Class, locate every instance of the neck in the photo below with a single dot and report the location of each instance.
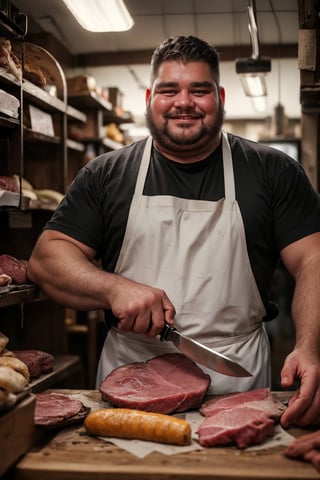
(187, 154)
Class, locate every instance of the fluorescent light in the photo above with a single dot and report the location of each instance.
(101, 15)
(259, 104)
(254, 84)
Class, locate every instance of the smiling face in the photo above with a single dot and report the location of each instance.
(185, 108)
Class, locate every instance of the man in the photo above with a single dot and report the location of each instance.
(189, 225)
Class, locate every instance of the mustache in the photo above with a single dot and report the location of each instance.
(186, 111)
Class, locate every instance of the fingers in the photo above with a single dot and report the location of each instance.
(304, 444)
(164, 313)
(303, 410)
(304, 406)
(306, 447)
(142, 309)
(314, 457)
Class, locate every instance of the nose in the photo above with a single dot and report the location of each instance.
(184, 99)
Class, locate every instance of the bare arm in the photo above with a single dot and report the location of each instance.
(65, 271)
(302, 259)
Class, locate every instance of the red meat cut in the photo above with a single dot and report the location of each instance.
(16, 269)
(261, 399)
(52, 408)
(168, 383)
(9, 183)
(37, 361)
(239, 418)
(241, 425)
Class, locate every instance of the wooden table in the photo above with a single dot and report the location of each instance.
(72, 455)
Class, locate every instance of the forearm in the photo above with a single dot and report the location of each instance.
(303, 363)
(306, 308)
(67, 276)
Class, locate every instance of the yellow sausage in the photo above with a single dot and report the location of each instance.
(129, 423)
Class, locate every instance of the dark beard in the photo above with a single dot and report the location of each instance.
(163, 137)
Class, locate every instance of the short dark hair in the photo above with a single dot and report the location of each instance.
(185, 49)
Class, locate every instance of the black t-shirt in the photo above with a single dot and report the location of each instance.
(277, 202)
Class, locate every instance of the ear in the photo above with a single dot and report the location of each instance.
(222, 94)
(148, 93)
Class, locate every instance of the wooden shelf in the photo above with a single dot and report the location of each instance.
(88, 100)
(112, 117)
(111, 144)
(41, 98)
(74, 145)
(21, 294)
(31, 136)
(65, 366)
(76, 115)
(9, 122)
(9, 78)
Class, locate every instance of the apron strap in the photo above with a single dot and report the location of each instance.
(229, 188)
(143, 170)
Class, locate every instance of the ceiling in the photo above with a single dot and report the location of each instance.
(220, 22)
(122, 59)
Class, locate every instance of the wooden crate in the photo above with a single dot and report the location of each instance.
(16, 432)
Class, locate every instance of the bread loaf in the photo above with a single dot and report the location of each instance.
(12, 381)
(7, 399)
(16, 364)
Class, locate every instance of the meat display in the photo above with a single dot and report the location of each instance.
(53, 408)
(14, 268)
(9, 183)
(239, 418)
(164, 384)
(37, 361)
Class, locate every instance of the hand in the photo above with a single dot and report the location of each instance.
(306, 447)
(304, 406)
(140, 308)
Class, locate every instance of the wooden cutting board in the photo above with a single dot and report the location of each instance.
(72, 455)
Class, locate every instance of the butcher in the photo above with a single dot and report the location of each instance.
(187, 227)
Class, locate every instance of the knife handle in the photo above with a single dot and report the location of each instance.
(166, 332)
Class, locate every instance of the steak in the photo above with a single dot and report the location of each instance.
(37, 361)
(9, 183)
(239, 418)
(241, 425)
(168, 383)
(260, 399)
(16, 269)
(53, 408)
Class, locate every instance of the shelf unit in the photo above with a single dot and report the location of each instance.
(47, 161)
(99, 113)
(27, 317)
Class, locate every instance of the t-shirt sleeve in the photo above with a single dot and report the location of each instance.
(296, 206)
(79, 214)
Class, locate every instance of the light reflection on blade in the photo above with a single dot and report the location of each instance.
(207, 357)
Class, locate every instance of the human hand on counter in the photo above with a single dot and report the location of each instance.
(140, 308)
(304, 406)
(306, 447)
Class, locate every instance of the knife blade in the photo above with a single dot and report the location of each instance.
(202, 354)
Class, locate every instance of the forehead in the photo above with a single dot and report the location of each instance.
(180, 72)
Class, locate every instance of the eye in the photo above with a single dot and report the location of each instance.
(168, 92)
(200, 92)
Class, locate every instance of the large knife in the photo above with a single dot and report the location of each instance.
(202, 354)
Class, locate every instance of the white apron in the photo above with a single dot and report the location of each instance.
(196, 251)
